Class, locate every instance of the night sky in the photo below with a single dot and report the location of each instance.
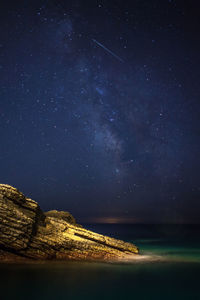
(100, 106)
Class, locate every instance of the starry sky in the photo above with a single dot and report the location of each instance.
(100, 105)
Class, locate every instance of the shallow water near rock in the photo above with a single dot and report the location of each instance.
(168, 268)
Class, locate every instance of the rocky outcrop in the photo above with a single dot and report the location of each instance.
(28, 233)
(63, 215)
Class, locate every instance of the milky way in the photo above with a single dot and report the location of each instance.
(82, 131)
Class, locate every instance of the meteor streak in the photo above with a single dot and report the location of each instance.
(106, 49)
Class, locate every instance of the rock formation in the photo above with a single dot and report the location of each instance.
(26, 233)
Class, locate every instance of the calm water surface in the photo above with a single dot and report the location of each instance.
(168, 268)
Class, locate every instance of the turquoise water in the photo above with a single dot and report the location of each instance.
(168, 268)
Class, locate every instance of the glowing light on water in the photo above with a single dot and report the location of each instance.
(142, 258)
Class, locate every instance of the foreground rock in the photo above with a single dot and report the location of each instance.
(28, 233)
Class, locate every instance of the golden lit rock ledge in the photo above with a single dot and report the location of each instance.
(26, 233)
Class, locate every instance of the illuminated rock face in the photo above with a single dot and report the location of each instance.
(28, 233)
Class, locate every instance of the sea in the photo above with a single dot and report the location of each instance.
(168, 268)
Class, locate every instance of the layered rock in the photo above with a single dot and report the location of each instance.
(28, 233)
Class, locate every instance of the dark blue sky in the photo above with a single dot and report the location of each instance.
(104, 136)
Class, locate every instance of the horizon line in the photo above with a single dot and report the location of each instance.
(129, 223)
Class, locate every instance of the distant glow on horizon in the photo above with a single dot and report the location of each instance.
(113, 220)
